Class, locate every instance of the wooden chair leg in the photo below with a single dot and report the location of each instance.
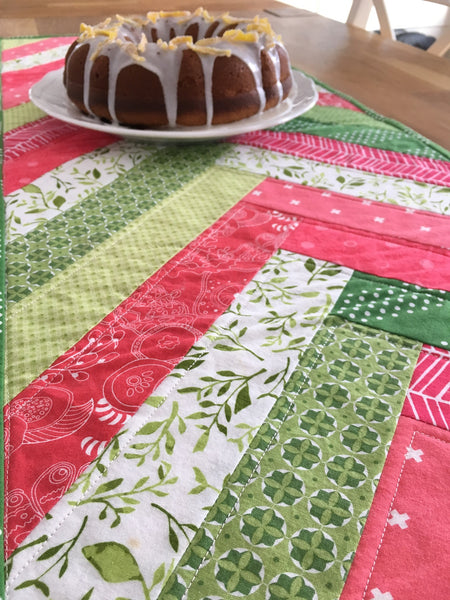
(386, 29)
(359, 13)
(441, 45)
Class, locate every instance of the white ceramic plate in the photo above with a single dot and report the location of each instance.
(50, 96)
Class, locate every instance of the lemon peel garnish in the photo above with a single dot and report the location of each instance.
(163, 14)
(143, 43)
(175, 42)
(103, 29)
(201, 12)
(206, 46)
(237, 35)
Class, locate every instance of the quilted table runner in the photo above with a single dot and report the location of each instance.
(226, 364)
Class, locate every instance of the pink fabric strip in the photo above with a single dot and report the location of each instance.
(428, 396)
(33, 136)
(376, 238)
(430, 229)
(371, 254)
(59, 423)
(35, 47)
(402, 549)
(330, 99)
(37, 161)
(16, 84)
(345, 154)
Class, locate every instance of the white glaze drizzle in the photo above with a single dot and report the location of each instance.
(276, 63)
(164, 60)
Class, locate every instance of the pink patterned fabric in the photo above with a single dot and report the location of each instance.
(35, 47)
(16, 84)
(371, 254)
(372, 237)
(398, 555)
(342, 210)
(428, 397)
(59, 423)
(34, 136)
(346, 154)
(47, 148)
(330, 99)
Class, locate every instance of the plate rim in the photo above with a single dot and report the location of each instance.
(293, 106)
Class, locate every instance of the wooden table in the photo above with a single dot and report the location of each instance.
(392, 78)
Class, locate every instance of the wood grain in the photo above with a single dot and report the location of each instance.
(394, 79)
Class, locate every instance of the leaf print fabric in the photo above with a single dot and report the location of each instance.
(323, 454)
(216, 398)
(413, 194)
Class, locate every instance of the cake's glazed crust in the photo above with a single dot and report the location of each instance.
(171, 69)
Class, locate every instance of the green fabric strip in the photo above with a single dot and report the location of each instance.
(397, 307)
(415, 136)
(288, 521)
(35, 258)
(335, 115)
(57, 314)
(19, 41)
(375, 137)
(20, 115)
(357, 127)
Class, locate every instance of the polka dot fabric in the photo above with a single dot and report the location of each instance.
(397, 307)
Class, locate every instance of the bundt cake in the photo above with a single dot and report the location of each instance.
(177, 68)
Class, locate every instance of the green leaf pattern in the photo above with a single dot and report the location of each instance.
(68, 184)
(382, 188)
(33, 60)
(303, 490)
(215, 399)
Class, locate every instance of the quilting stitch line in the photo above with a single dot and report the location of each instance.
(108, 329)
(392, 502)
(269, 444)
(386, 522)
(127, 441)
(348, 325)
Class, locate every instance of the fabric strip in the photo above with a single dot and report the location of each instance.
(330, 99)
(298, 170)
(408, 521)
(397, 307)
(428, 397)
(20, 115)
(35, 47)
(37, 161)
(280, 524)
(90, 391)
(343, 210)
(34, 136)
(350, 155)
(369, 254)
(16, 84)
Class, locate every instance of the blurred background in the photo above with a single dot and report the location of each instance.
(429, 19)
(416, 22)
